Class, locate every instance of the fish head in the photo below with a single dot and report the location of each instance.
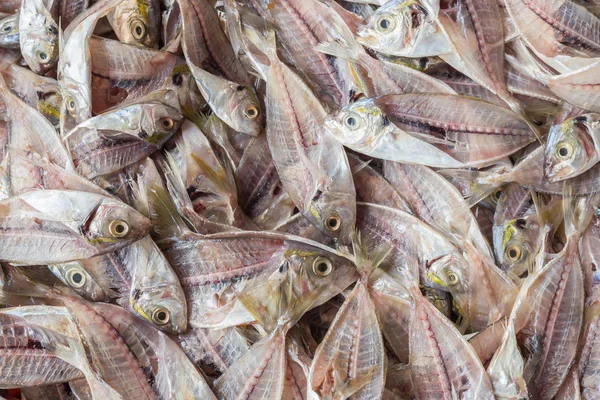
(40, 51)
(159, 122)
(398, 25)
(358, 124)
(49, 104)
(76, 99)
(334, 213)
(449, 273)
(9, 31)
(570, 148)
(316, 270)
(136, 22)
(77, 278)
(163, 306)
(112, 224)
(246, 114)
(515, 243)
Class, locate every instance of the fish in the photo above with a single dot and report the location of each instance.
(138, 277)
(136, 22)
(120, 137)
(80, 224)
(9, 32)
(403, 128)
(571, 147)
(74, 66)
(233, 101)
(38, 36)
(38, 91)
(324, 196)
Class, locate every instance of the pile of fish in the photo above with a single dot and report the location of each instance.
(299, 199)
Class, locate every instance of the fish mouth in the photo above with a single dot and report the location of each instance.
(367, 40)
(557, 173)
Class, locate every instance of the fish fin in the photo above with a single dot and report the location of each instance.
(367, 263)
(524, 62)
(340, 49)
(168, 223)
(262, 38)
(481, 183)
(76, 355)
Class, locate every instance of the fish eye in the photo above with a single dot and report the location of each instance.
(71, 105)
(351, 121)
(53, 29)
(385, 24)
(322, 266)
(118, 228)
(7, 28)
(497, 194)
(452, 278)
(167, 123)
(75, 278)
(42, 56)
(251, 112)
(161, 316)
(333, 222)
(513, 253)
(138, 29)
(564, 150)
(177, 79)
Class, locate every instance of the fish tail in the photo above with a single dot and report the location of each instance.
(74, 353)
(169, 224)
(578, 211)
(480, 183)
(367, 262)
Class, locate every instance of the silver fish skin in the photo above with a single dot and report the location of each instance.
(26, 361)
(137, 22)
(122, 72)
(123, 136)
(38, 91)
(232, 255)
(80, 224)
(30, 130)
(572, 147)
(260, 191)
(9, 32)
(300, 26)
(38, 36)
(312, 166)
(233, 101)
(74, 64)
(76, 277)
(172, 374)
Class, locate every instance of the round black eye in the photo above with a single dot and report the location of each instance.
(118, 228)
(43, 55)
(53, 30)
(7, 28)
(177, 79)
(239, 88)
(161, 316)
(167, 123)
(333, 222)
(351, 121)
(563, 152)
(497, 194)
(384, 23)
(513, 253)
(322, 266)
(77, 278)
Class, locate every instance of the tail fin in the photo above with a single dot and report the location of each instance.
(168, 223)
(480, 183)
(367, 263)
